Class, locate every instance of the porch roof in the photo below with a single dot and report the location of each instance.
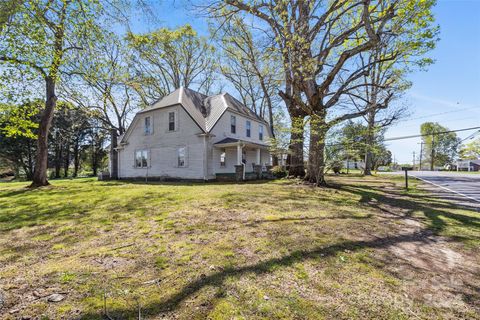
(232, 142)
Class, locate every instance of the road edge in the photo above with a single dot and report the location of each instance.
(442, 187)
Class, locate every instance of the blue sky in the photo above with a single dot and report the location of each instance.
(451, 86)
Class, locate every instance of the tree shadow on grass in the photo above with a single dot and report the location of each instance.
(217, 279)
(14, 193)
(307, 219)
(433, 209)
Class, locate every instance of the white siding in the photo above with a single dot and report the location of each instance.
(163, 146)
(222, 129)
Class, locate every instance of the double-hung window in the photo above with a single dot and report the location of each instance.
(141, 158)
(171, 121)
(249, 129)
(222, 158)
(182, 157)
(233, 124)
(148, 126)
(260, 132)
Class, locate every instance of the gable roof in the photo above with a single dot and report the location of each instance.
(204, 110)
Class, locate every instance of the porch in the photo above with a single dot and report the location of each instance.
(239, 160)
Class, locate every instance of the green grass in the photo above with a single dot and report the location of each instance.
(265, 250)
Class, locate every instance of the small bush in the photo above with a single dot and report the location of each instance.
(279, 172)
(336, 166)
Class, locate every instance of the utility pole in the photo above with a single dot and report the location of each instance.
(413, 160)
(432, 156)
(421, 153)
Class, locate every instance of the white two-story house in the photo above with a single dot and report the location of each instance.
(187, 135)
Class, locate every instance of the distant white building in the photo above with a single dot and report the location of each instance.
(468, 165)
(353, 164)
(188, 135)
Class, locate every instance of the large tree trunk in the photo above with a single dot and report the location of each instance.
(30, 164)
(76, 158)
(94, 155)
(113, 155)
(58, 159)
(40, 172)
(316, 156)
(370, 139)
(296, 167)
(66, 162)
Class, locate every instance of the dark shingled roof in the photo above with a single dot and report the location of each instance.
(204, 110)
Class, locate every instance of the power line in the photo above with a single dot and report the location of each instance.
(412, 136)
(429, 134)
(436, 114)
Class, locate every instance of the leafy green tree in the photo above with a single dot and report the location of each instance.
(18, 130)
(68, 133)
(7, 9)
(356, 143)
(70, 137)
(440, 146)
(40, 39)
(471, 150)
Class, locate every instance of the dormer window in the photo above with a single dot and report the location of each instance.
(233, 124)
(249, 129)
(148, 126)
(260, 132)
(171, 121)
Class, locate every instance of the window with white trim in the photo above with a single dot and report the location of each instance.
(182, 157)
(171, 121)
(222, 158)
(233, 124)
(141, 158)
(260, 132)
(249, 129)
(148, 126)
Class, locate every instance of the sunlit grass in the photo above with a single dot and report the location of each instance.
(256, 250)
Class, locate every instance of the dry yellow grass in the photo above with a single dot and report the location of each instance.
(362, 249)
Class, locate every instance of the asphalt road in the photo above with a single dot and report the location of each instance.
(464, 184)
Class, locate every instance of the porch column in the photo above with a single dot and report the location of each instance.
(239, 154)
(258, 160)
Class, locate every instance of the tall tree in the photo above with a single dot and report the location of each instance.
(440, 146)
(69, 129)
(168, 59)
(471, 150)
(102, 83)
(401, 52)
(355, 143)
(18, 129)
(250, 67)
(320, 42)
(48, 31)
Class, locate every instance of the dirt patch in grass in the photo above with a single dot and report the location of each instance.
(361, 249)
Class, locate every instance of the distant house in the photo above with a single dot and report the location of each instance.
(354, 164)
(188, 135)
(468, 165)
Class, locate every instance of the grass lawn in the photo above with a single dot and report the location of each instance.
(363, 249)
